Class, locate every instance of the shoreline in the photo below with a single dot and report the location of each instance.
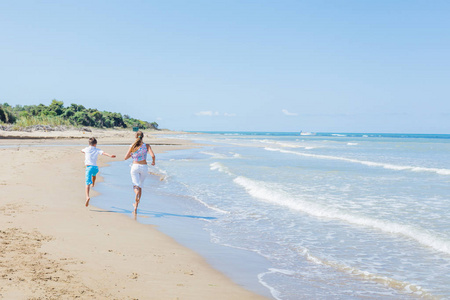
(181, 217)
(52, 246)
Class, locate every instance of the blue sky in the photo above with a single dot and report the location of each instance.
(334, 66)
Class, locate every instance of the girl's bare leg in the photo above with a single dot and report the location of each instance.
(93, 180)
(137, 191)
(87, 195)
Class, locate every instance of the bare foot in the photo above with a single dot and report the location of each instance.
(87, 201)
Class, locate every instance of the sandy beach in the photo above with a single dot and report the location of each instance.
(53, 247)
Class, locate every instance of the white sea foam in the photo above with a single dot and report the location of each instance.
(266, 192)
(265, 141)
(196, 198)
(274, 292)
(222, 156)
(389, 282)
(214, 155)
(210, 206)
(163, 176)
(283, 144)
(386, 281)
(368, 163)
(352, 144)
(220, 167)
(236, 155)
(289, 145)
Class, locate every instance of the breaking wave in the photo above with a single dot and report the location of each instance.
(263, 191)
(367, 163)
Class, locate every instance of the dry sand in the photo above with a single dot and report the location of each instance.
(52, 247)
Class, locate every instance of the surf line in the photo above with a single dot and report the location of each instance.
(352, 271)
(367, 163)
(260, 190)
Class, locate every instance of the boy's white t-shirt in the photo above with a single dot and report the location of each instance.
(91, 154)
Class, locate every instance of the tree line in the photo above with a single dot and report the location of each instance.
(74, 114)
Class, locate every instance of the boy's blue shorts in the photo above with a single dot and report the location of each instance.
(90, 171)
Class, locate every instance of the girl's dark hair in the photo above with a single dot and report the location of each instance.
(138, 142)
(92, 141)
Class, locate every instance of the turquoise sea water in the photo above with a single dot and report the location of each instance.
(325, 216)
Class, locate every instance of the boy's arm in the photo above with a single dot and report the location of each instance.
(110, 155)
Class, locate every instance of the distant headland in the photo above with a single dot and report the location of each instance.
(56, 115)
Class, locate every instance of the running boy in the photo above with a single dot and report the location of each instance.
(91, 154)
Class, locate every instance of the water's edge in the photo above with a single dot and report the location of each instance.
(241, 266)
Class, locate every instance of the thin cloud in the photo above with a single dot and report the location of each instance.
(210, 113)
(287, 113)
(207, 113)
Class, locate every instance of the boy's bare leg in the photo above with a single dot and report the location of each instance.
(93, 180)
(87, 195)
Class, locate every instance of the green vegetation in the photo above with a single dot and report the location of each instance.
(56, 114)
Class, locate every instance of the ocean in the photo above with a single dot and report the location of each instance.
(290, 216)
